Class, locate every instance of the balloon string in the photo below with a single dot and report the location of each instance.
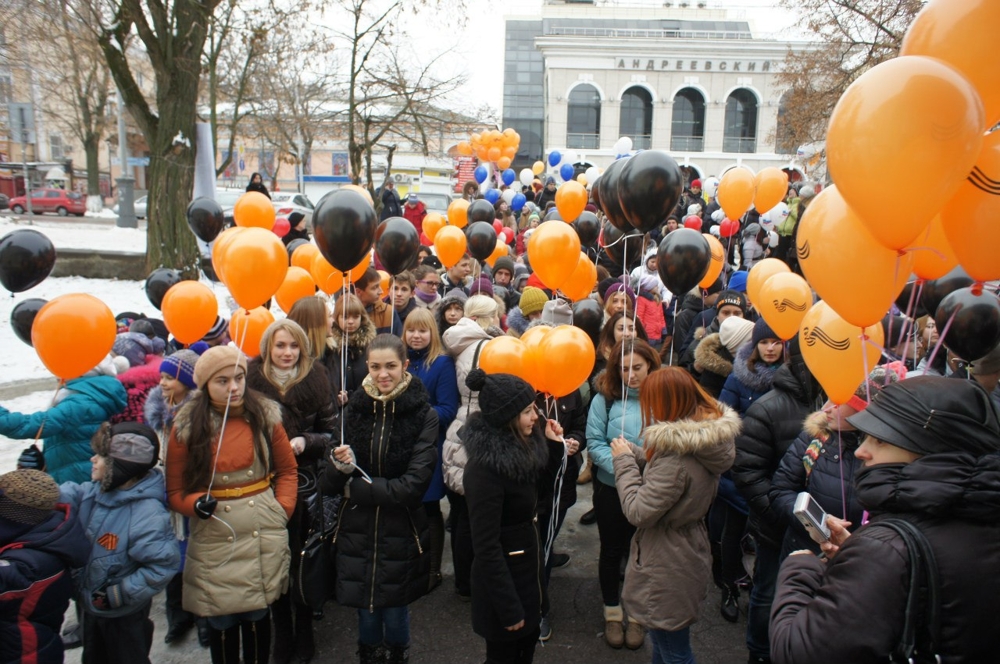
(392, 304)
(672, 336)
(941, 336)
(864, 360)
(52, 403)
(621, 366)
(936, 252)
(840, 463)
(225, 413)
(344, 337)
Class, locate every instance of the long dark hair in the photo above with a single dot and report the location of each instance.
(609, 383)
(606, 340)
(204, 430)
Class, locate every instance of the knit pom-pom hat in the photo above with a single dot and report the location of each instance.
(502, 397)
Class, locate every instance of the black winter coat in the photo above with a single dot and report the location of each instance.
(744, 386)
(501, 492)
(571, 413)
(691, 306)
(851, 609)
(382, 538)
(770, 425)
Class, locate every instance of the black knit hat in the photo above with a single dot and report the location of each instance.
(502, 397)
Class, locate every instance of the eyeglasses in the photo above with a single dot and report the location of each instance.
(430, 283)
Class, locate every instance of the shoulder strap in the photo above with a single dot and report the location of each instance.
(924, 588)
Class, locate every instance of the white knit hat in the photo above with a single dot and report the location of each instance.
(734, 332)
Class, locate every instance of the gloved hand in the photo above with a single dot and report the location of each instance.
(31, 458)
(205, 506)
(99, 598)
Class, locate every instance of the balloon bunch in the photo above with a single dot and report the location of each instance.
(553, 360)
(554, 253)
(493, 146)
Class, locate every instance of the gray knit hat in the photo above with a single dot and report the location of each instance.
(27, 496)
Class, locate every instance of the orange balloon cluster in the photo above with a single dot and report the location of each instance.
(554, 252)
(246, 329)
(760, 273)
(498, 147)
(329, 279)
(970, 218)
(582, 281)
(189, 310)
(571, 199)
(433, 222)
(74, 332)
(555, 361)
(298, 284)
(303, 256)
(252, 263)
(783, 301)
(837, 352)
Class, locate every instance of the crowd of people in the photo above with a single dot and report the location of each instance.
(334, 464)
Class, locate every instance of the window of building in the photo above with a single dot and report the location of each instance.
(687, 126)
(583, 119)
(740, 133)
(57, 150)
(637, 117)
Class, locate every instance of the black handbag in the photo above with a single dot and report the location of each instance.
(316, 576)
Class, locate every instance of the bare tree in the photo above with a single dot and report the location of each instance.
(852, 36)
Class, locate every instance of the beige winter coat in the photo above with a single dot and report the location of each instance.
(670, 561)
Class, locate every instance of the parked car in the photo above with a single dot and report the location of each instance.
(139, 205)
(51, 200)
(227, 199)
(435, 202)
(4, 201)
(287, 202)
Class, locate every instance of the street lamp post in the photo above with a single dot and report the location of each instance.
(126, 184)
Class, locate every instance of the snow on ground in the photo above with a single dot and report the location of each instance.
(83, 235)
(11, 449)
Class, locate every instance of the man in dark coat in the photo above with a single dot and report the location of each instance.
(391, 205)
(931, 459)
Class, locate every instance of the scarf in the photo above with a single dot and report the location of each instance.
(280, 377)
(371, 389)
(426, 298)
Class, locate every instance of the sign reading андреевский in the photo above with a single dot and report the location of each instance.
(679, 64)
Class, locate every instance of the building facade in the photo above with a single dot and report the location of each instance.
(691, 81)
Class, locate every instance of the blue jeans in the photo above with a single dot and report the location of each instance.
(390, 625)
(765, 578)
(672, 647)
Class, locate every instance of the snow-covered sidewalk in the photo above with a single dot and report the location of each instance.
(67, 234)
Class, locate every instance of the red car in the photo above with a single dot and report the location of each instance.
(51, 200)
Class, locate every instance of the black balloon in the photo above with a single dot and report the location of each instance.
(972, 322)
(588, 227)
(159, 282)
(649, 186)
(626, 253)
(683, 260)
(553, 214)
(344, 224)
(589, 317)
(293, 245)
(935, 291)
(23, 315)
(206, 218)
(903, 301)
(608, 195)
(397, 244)
(481, 210)
(595, 192)
(26, 258)
(482, 239)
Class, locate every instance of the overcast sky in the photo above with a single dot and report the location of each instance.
(479, 47)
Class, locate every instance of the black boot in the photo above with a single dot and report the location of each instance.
(398, 655)
(730, 607)
(305, 646)
(257, 641)
(435, 524)
(284, 636)
(224, 645)
(179, 621)
(371, 654)
(589, 517)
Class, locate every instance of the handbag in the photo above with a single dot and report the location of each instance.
(316, 577)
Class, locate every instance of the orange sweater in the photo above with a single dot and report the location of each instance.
(237, 453)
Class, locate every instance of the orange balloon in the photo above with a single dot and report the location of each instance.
(329, 279)
(771, 186)
(503, 355)
(510, 152)
(537, 168)
(847, 267)
(890, 132)
(568, 355)
(475, 139)
(72, 333)
(458, 213)
(303, 256)
(298, 284)
(499, 252)
(960, 34)
(718, 260)
(465, 149)
(760, 273)
(482, 152)
(246, 329)
(784, 300)
(554, 252)
(361, 190)
(493, 154)
(384, 281)
(255, 266)
(219, 248)
(571, 199)
(835, 352)
(532, 365)
(581, 283)
(450, 245)
(254, 210)
(189, 311)
(433, 222)
(735, 192)
(932, 255)
(503, 163)
(970, 218)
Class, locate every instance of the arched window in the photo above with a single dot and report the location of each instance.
(740, 134)
(784, 136)
(687, 126)
(583, 118)
(637, 117)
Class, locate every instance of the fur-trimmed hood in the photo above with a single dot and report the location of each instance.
(707, 440)
(517, 322)
(817, 426)
(182, 422)
(357, 340)
(758, 380)
(712, 356)
(501, 451)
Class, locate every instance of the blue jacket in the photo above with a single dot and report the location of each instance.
(36, 585)
(133, 552)
(604, 425)
(69, 425)
(744, 386)
(442, 386)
